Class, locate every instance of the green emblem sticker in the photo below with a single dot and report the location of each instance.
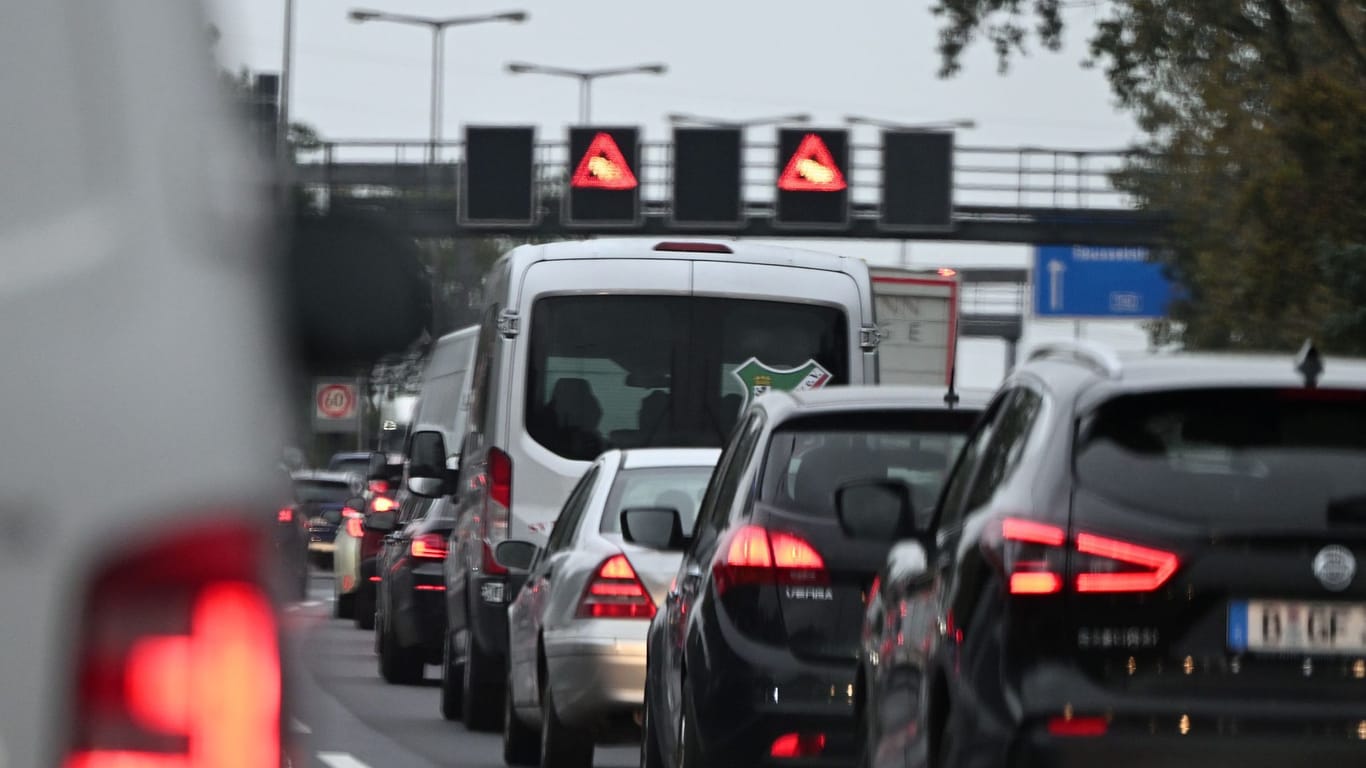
(758, 379)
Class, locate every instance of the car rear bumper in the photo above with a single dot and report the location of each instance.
(598, 670)
(1140, 748)
(419, 609)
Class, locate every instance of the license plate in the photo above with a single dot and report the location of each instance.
(1297, 627)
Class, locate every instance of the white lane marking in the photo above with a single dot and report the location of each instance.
(297, 726)
(340, 760)
(310, 603)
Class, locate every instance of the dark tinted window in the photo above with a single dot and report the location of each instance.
(1002, 455)
(717, 501)
(322, 492)
(633, 371)
(679, 488)
(1287, 458)
(956, 490)
(358, 466)
(809, 459)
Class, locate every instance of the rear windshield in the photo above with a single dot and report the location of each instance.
(679, 488)
(359, 466)
(1236, 457)
(321, 491)
(808, 460)
(635, 371)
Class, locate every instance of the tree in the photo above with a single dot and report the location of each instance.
(1255, 118)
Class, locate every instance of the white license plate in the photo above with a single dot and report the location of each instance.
(1297, 627)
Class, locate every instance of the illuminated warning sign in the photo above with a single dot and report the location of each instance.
(812, 168)
(604, 167)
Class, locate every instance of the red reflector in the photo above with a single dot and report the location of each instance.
(383, 504)
(687, 247)
(430, 588)
(285, 515)
(797, 745)
(1161, 566)
(429, 545)
(1035, 583)
(1015, 529)
(500, 478)
(616, 593)
(1078, 726)
(355, 528)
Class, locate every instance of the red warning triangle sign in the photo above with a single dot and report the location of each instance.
(603, 166)
(812, 169)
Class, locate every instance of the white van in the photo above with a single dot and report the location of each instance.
(591, 345)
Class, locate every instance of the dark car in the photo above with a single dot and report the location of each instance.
(291, 541)
(410, 620)
(752, 657)
(1136, 562)
(321, 496)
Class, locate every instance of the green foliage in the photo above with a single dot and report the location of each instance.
(1255, 113)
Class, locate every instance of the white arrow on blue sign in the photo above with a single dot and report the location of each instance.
(1101, 282)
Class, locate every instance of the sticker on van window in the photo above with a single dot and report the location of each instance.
(758, 379)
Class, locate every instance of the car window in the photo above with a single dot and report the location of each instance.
(322, 492)
(679, 488)
(950, 507)
(562, 535)
(481, 410)
(1007, 445)
(729, 486)
(1267, 458)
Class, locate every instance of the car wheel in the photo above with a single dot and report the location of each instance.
(452, 680)
(482, 689)
(521, 743)
(397, 665)
(562, 746)
(689, 746)
(343, 606)
(651, 756)
(364, 609)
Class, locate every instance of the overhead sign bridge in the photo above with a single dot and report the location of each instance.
(909, 184)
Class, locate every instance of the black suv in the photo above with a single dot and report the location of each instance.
(752, 656)
(1146, 561)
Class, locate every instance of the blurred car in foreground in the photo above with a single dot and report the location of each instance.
(1139, 561)
(410, 621)
(576, 629)
(322, 496)
(752, 657)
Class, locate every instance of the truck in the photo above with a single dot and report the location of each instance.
(916, 312)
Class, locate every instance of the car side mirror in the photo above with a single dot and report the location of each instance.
(878, 510)
(380, 522)
(427, 474)
(654, 527)
(515, 555)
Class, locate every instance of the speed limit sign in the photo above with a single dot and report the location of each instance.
(335, 405)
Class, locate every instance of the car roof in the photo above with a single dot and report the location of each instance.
(643, 458)
(871, 397)
(644, 248)
(325, 476)
(351, 456)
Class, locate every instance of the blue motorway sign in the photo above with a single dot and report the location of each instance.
(1102, 282)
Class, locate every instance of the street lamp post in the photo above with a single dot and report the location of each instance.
(585, 78)
(684, 118)
(438, 28)
(893, 125)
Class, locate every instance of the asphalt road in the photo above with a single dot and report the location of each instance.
(347, 717)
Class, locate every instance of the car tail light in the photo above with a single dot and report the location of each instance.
(379, 486)
(285, 515)
(1035, 561)
(685, 246)
(383, 504)
(1078, 726)
(178, 658)
(431, 546)
(755, 555)
(355, 528)
(791, 745)
(615, 592)
(497, 507)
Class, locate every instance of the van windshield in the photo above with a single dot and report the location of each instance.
(634, 371)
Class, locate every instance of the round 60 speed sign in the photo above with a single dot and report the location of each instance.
(336, 401)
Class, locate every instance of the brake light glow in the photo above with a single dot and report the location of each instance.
(756, 555)
(616, 593)
(691, 247)
(1035, 561)
(792, 745)
(1035, 583)
(355, 528)
(431, 546)
(285, 515)
(1015, 529)
(1078, 726)
(383, 504)
(494, 522)
(1161, 565)
(379, 486)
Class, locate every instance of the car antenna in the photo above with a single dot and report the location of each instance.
(1309, 363)
(951, 397)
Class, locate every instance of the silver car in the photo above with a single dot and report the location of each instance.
(576, 630)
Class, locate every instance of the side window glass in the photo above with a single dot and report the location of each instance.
(562, 534)
(730, 484)
(480, 403)
(1006, 447)
(731, 462)
(956, 488)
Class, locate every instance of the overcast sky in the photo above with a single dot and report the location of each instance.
(732, 59)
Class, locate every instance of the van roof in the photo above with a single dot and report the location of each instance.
(645, 248)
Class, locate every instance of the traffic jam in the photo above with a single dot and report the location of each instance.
(741, 525)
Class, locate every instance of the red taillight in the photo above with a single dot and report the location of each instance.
(432, 546)
(383, 504)
(500, 478)
(355, 528)
(285, 515)
(791, 745)
(1078, 726)
(379, 486)
(1035, 563)
(616, 593)
(684, 246)
(498, 506)
(756, 555)
(179, 661)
